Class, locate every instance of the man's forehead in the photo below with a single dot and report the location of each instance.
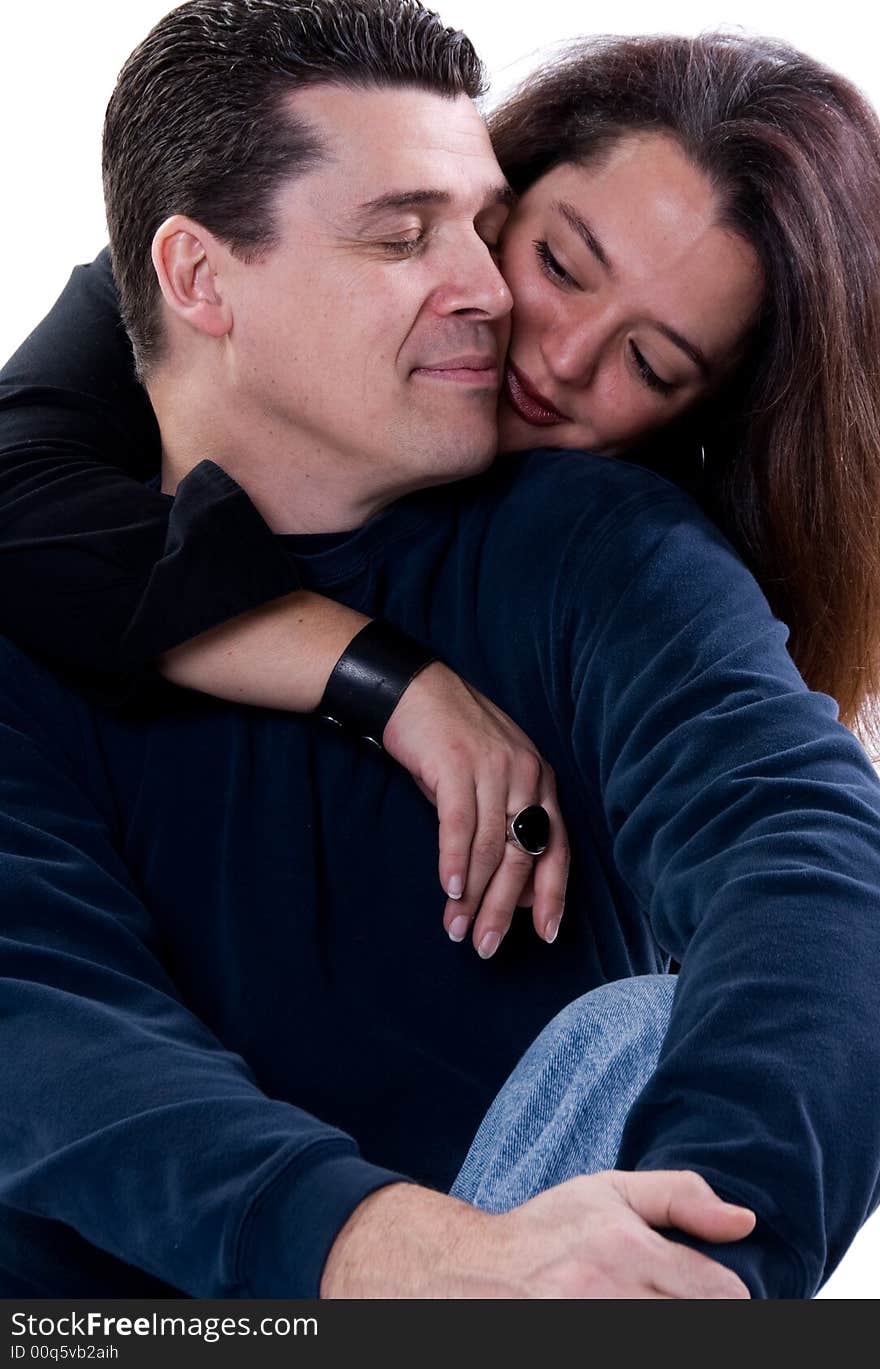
(399, 144)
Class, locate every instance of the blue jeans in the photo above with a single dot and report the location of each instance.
(561, 1112)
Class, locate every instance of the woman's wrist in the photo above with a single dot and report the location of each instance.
(369, 679)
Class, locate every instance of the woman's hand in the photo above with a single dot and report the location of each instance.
(466, 756)
(478, 769)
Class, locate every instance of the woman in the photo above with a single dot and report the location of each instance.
(695, 251)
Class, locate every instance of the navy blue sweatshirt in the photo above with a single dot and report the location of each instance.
(229, 1008)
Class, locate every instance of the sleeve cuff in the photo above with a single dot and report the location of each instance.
(220, 560)
(293, 1222)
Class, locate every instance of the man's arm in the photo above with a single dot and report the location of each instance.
(125, 1118)
(128, 1122)
(746, 822)
(592, 1237)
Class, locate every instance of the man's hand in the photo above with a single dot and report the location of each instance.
(592, 1237)
(478, 768)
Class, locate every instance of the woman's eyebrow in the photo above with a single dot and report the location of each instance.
(690, 349)
(587, 236)
(580, 226)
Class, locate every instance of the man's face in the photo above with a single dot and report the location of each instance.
(372, 336)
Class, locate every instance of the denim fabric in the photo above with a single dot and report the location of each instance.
(562, 1110)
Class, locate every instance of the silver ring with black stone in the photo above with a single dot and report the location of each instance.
(529, 829)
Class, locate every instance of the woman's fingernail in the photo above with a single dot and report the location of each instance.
(458, 929)
(489, 945)
(455, 888)
(552, 929)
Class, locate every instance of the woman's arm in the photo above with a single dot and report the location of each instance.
(103, 574)
(467, 756)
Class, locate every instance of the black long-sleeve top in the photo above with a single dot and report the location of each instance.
(98, 571)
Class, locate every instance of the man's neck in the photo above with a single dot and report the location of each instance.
(295, 486)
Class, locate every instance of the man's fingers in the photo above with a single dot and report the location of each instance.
(682, 1273)
(653, 1267)
(712, 1221)
(683, 1199)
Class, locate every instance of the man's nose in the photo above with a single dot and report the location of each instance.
(475, 285)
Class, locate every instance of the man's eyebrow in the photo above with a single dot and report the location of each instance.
(394, 200)
(579, 226)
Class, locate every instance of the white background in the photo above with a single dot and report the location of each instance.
(58, 63)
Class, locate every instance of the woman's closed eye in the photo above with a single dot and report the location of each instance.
(649, 376)
(551, 266)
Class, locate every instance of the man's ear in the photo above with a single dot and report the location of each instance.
(185, 261)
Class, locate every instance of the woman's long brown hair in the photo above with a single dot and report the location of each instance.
(792, 447)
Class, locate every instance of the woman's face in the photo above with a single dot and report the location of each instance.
(630, 302)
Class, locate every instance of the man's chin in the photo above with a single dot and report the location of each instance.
(460, 462)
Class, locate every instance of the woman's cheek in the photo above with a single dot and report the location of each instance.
(525, 287)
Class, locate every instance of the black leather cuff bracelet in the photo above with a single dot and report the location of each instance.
(369, 678)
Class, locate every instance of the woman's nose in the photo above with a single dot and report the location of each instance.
(572, 347)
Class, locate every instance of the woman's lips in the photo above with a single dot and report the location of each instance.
(528, 402)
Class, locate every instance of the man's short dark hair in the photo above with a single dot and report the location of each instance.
(196, 124)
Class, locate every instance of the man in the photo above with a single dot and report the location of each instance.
(200, 1014)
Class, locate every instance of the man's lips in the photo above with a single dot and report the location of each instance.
(528, 402)
(472, 368)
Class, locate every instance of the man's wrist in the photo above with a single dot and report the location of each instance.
(404, 1241)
